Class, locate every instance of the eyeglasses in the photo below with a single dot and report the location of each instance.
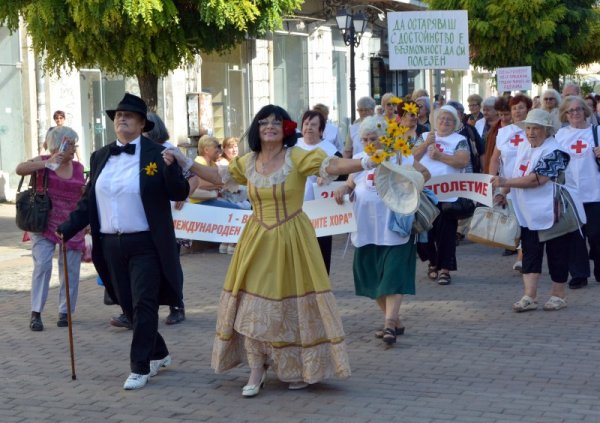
(273, 123)
(473, 105)
(363, 110)
(446, 119)
(575, 110)
(550, 99)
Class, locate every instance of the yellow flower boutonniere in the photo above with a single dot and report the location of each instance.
(151, 169)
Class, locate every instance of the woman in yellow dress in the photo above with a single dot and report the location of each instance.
(277, 308)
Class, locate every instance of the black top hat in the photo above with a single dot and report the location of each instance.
(132, 103)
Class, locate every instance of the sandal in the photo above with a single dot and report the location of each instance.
(432, 272)
(389, 336)
(380, 332)
(444, 279)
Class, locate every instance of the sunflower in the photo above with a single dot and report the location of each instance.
(385, 141)
(399, 144)
(396, 100)
(378, 157)
(370, 148)
(411, 108)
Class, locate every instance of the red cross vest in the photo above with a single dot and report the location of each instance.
(508, 140)
(447, 145)
(534, 207)
(582, 169)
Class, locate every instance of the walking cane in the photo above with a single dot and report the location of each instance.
(70, 323)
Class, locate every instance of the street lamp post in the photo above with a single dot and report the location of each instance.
(352, 27)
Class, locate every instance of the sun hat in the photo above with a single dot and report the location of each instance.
(132, 103)
(399, 187)
(453, 112)
(536, 117)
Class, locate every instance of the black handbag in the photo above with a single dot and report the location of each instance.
(463, 208)
(33, 207)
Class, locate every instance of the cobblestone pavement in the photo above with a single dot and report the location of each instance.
(465, 357)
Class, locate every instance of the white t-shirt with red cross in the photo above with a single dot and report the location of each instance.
(582, 170)
(508, 140)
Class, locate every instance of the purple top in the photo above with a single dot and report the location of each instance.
(64, 194)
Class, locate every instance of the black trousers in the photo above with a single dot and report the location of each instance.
(135, 274)
(592, 232)
(579, 262)
(440, 249)
(325, 243)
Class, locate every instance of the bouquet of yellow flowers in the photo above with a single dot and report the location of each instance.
(394, 142)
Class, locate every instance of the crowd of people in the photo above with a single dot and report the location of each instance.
(277, 311)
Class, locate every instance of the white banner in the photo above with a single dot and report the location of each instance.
(323, 192)
(475, 186)
(428, 40)
(206, 223)
(514, 79)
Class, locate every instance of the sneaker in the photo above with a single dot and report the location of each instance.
(177, 315)
(223, 248)
(136, 381)
(231, 249)
(555, 303)
(518, 266)
(525, 304)
(62, 321)
(155, 365)
(35, 324)
(121, 321)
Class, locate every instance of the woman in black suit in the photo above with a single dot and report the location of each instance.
(127, 205)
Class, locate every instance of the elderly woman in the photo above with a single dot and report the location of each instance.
(489, 119)
(209, 151)
(444, 152)
(408, 111)
(584, 172)
(502, 109)
(424, 110)
(384, 260)
(277, 307)
(474, 103)
(389, 108)
(539, 162)
(507, 143)
(65, 184)
(551, 104)
(365, 106)
(313, 124)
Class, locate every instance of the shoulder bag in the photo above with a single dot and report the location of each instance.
(595, 132)
(425, 215)
(33, 207)
(495, 227)
(566, 218)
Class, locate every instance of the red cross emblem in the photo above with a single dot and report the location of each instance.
(523, 168)
(579, 146)
(517, 140)
(371, 178)
(439, 147)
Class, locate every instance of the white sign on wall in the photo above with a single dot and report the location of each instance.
(514, 79)
(428, 40)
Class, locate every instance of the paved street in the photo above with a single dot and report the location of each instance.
(465, 357)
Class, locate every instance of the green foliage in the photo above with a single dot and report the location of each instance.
(553, 36)
(139, 37)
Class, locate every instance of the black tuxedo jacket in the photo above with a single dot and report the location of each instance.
(157, 190)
